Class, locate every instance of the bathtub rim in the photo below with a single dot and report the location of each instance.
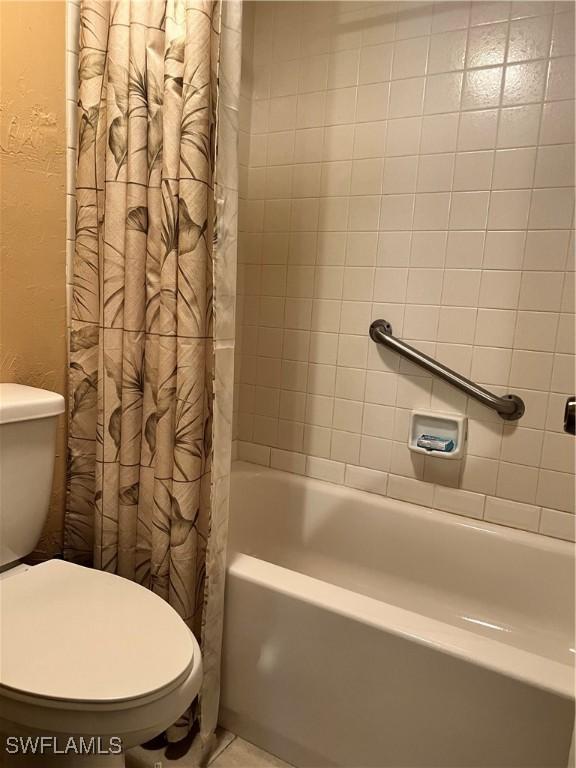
(520, 665)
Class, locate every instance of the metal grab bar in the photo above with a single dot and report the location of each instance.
(509, 407)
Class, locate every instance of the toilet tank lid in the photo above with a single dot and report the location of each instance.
(21, 403)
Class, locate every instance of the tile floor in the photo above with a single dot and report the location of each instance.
(230, 752)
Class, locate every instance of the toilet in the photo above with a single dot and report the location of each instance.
(91, 664)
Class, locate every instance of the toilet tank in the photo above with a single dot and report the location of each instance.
(28, 418)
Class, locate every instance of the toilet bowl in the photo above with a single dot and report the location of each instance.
(91, 664)
(88, 654)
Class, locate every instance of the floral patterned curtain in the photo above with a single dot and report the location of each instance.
(152, 306)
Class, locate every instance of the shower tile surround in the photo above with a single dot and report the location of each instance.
(410, 161)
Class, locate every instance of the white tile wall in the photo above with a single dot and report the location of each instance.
(411, 161)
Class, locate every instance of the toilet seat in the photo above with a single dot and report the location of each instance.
(72, 635)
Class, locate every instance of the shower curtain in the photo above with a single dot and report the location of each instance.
(152, 306)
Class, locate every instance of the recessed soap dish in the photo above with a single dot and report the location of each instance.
(447, 426)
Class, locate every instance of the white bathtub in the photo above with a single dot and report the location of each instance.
(363, 631)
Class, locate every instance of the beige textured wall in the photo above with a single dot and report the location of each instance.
(32, 212)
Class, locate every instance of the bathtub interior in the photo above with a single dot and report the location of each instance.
(513, 587)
